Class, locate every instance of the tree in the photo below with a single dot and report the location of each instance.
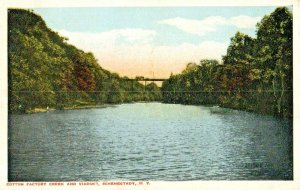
(275, 53)
(240, 50)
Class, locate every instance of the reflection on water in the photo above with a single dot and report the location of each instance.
(149, 141)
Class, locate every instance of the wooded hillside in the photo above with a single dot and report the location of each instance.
(256, 73)
(46, 71)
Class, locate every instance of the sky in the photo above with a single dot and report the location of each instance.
(152, 41)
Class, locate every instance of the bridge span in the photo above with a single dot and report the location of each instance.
(146, 79)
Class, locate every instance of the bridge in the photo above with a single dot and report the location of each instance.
(145, 80)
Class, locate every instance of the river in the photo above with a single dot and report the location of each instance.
(149, 141)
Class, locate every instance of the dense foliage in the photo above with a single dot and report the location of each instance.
(46, 71)
(256, 74)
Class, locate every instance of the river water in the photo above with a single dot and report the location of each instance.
(149, 141)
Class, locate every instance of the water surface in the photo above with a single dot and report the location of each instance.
(149, 141)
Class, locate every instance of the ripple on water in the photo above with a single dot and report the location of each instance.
(149, 141)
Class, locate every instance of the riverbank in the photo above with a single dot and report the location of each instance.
(217, 108)
(42, 110)
(77, 107)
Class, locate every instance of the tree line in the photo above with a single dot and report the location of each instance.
(46, 71)
(256, 74)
